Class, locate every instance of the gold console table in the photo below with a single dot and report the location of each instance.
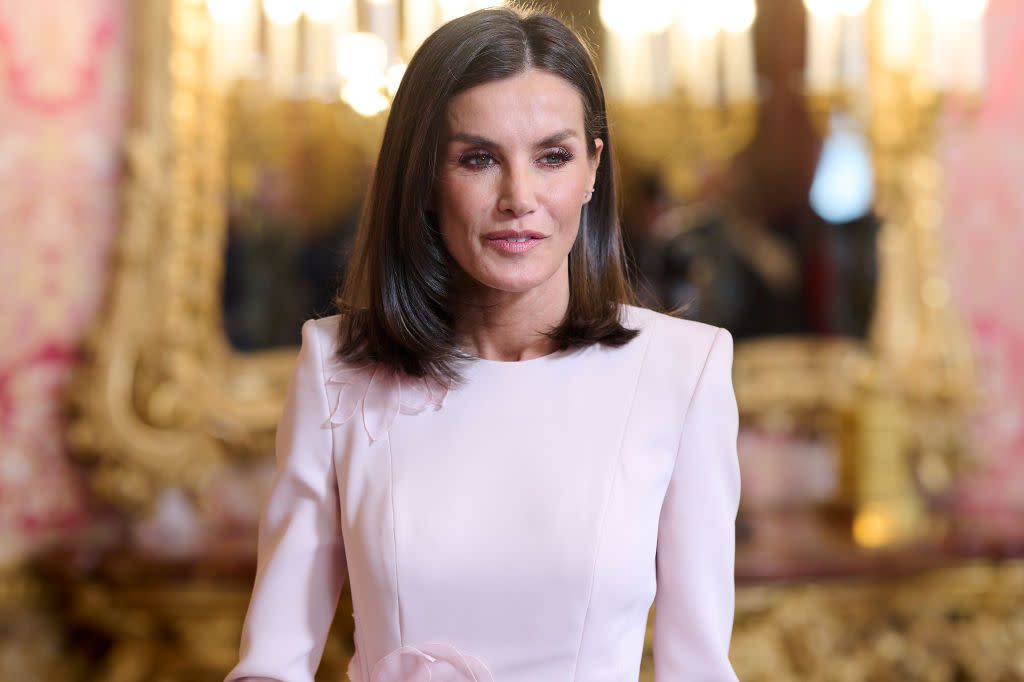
(952, 612)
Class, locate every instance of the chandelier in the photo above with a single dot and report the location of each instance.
(356, 50)
(352, 50)
(657, 49)
(936, 44)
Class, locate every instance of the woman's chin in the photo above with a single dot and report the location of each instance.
(517, 283)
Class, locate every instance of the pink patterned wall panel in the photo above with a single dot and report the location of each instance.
(62, 105)
(984, 159)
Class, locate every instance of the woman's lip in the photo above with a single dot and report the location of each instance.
(505, 245)
(513, 234)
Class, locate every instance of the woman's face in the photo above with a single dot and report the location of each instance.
(514, 176)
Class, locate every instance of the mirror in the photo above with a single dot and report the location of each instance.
(777, 240)
(297, 171)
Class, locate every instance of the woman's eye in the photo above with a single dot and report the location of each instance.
(477, 160)
(558, 157)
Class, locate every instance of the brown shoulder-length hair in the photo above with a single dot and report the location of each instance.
(397, 302)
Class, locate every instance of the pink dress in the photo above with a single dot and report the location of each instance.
(513, 529)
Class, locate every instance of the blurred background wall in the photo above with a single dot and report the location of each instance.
(62, 112)
(64, 103)
(62, 107)
(984, 161)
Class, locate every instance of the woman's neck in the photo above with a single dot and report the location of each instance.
(497, 325)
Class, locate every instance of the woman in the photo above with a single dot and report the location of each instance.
(503, 457)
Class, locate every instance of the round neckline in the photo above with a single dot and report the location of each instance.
(540, 359)
(511, 366)
(475, 361)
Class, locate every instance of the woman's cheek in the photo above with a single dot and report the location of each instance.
(568, 196)
(473, 200)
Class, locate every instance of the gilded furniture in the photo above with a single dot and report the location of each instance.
(33, 638)
(925, 617)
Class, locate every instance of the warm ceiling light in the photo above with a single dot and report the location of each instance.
(700, 19)
(853, 8)
(227, 11)
(956, 9)
(827, 8)
(322, 11)
(358, 54)
(822, 8)
(393, 77)
(736, 16)
(282, 12)
(452, 9)
(364, 97)
(636, 17)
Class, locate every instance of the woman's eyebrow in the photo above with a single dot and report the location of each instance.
(560, 136)
(475, 140)
(481, 141)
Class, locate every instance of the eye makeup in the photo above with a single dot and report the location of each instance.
(556, 158)
(478, 159)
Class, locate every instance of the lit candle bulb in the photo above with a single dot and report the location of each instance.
(697, 38)
(282, 44)
(971, 79)
(854, 52)
(235, 35)
(319, 49)
(899, 22)
(630, 71)
(453, 9)
(701, 73)
(418, 21)
(737, 21)
(821, 68)
(383, 21)
(957, 60)
(740, 76)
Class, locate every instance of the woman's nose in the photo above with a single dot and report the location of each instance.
(517, 194)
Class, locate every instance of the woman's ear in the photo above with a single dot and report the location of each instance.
(595, 159)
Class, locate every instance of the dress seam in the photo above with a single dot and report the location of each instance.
(693, 395)
(607, 502)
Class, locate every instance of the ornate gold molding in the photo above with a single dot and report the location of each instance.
(962, 622)
(777, 377)
(161, 397)
(32, 640)
(185, 628)
(677, 139)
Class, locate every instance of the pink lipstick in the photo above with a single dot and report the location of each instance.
(513, 241)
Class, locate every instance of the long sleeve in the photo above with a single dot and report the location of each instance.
(696, 535)
(301, 562)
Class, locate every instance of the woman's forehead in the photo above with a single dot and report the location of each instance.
(527, 107)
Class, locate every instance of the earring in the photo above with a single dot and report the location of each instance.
(589, 194)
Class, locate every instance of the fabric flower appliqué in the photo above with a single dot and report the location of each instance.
(383, 393)
(430, 663)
